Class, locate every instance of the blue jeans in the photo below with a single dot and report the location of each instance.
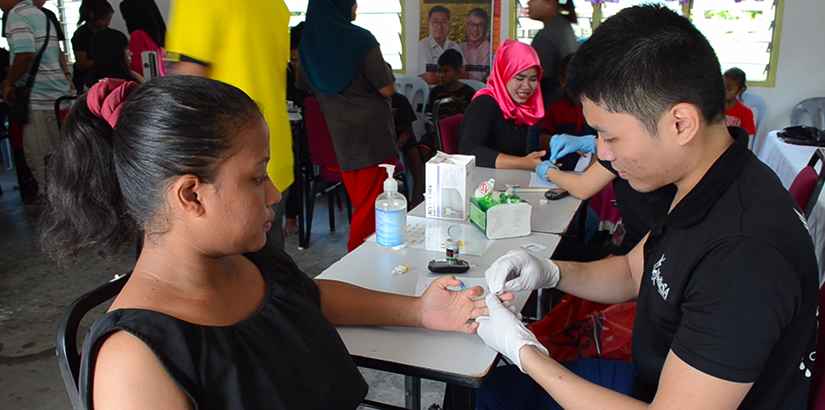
(509, 388)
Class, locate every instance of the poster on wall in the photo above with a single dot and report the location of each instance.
(461, 25)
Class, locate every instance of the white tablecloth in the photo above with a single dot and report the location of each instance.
(787, 160)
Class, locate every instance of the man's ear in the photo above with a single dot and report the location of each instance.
(186, 194)
(685, 121)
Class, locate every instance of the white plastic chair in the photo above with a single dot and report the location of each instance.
(477, 85)
(815, 107)
(757, 105)
(417, 92)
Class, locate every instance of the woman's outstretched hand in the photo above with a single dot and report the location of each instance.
(446, 310)
(532, 160)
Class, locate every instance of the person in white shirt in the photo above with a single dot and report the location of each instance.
(476, 49)
(431, 47)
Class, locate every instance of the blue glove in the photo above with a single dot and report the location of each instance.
(563, 144)
(542, 168)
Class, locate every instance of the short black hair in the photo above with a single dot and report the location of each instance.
(438, 9)
(98, 8)
(643, 61)
(479, 12)
(452, 58)
(295, 34)
(736, 74)
(565, 62)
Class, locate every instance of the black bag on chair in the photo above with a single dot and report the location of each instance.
(803, 135)
(19, 112)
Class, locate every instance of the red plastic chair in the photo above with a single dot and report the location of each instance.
(807, 185)
(322, 155)
(450, 128)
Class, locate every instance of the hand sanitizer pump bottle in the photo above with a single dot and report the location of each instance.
(391, 213)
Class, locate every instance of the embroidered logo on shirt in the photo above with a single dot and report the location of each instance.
(656, 278)
(810, 362)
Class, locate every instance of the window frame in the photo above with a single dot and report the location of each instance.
(770, 81)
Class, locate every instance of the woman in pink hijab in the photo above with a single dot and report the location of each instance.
(495, 124)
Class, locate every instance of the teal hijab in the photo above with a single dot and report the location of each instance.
(332, 48)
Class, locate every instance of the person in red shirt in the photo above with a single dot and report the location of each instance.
(736, 113)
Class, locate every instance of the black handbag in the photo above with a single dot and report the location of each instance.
(19, 112)
(803, 135)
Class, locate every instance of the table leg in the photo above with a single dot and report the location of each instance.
(412, 392)
(459, 398)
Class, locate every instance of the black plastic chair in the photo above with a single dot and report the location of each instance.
(62, 106)
(68, 357)
(437, 119)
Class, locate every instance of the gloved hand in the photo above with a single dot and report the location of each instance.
(563, 144)
(504, 332)
(541, 169)
(518, 271)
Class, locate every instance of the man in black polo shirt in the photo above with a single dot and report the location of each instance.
(726, 281)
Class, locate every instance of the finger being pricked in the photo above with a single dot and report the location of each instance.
(450, 281)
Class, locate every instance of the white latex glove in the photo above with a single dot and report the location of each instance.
(519, 271)
(504, 332)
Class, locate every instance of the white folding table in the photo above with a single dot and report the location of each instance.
(461, 360)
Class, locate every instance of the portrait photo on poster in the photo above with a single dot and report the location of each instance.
(462, 25)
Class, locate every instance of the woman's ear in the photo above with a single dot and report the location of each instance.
(186, 195)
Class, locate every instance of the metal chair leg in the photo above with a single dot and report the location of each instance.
(330, 196)
(310, 211)
(338, 198)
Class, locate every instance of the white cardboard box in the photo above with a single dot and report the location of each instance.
(449, 184)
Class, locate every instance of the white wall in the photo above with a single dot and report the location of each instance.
(801, 69)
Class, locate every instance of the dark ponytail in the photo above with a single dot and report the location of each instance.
(570, 14)
(107, 186)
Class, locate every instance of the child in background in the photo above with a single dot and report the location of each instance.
(562, 117)
(450, 67)
(736, 113)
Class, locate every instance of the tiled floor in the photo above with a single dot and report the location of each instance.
(34, 293)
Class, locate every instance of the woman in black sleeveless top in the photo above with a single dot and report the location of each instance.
(211, 317)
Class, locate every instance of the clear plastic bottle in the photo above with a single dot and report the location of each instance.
(391, 214)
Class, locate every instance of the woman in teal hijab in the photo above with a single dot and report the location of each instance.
(342, 65)
(332, 48)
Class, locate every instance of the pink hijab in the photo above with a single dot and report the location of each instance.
(512, 58)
